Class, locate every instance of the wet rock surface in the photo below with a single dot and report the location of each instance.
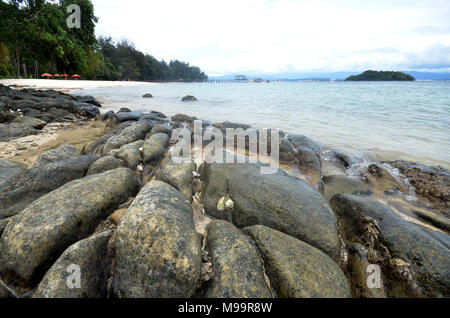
(155, 147)
(104, 164)
(178, 175)
(431, 183)
(158, 253)
(415, 260)
(307, 157)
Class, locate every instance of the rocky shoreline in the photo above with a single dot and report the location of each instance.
(134, 223)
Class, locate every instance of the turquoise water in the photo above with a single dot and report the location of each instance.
(378, 120)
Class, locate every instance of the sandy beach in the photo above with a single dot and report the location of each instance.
(68, 85)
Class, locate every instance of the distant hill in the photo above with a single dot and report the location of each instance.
(381, 76)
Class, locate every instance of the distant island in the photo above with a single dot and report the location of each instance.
(381, 76)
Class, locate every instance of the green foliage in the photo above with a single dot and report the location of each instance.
(381, 76)
(130, 63)
(36, 39)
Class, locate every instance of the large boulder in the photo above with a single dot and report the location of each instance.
(92, 259)
(24, 188)
(296, 269)
(88, 99)
(178, 175)
(63, 152)
(9, 169)
(158, 253)
(182, 118)
(13, 131)
(189, 98)
(35, 238)
(85, 110)
(155, 147)
(415, 261)
(237, 264)
(154, 119)
(104, 164)
(130, 154)
(127, 135)
(307, 153)
(276, 200)
(31, 122)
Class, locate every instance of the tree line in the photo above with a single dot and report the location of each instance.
(35, 39)
(381, 76)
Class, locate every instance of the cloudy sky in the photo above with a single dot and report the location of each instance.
(280, 36)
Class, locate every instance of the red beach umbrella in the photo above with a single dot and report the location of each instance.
(47, 75)
(76, 75)
(66, 75)
(57, 75)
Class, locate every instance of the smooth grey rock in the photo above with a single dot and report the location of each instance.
(158, 253)
(91, 255)
(9, 169)
(276, 200)
(189, 98)
(237, 264)
(296, 269)
(182, 118)
(63, 152)
(35, 238)
(24, 188)
(104, 164)
(166, 129)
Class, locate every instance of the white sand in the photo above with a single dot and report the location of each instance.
(67, 85)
